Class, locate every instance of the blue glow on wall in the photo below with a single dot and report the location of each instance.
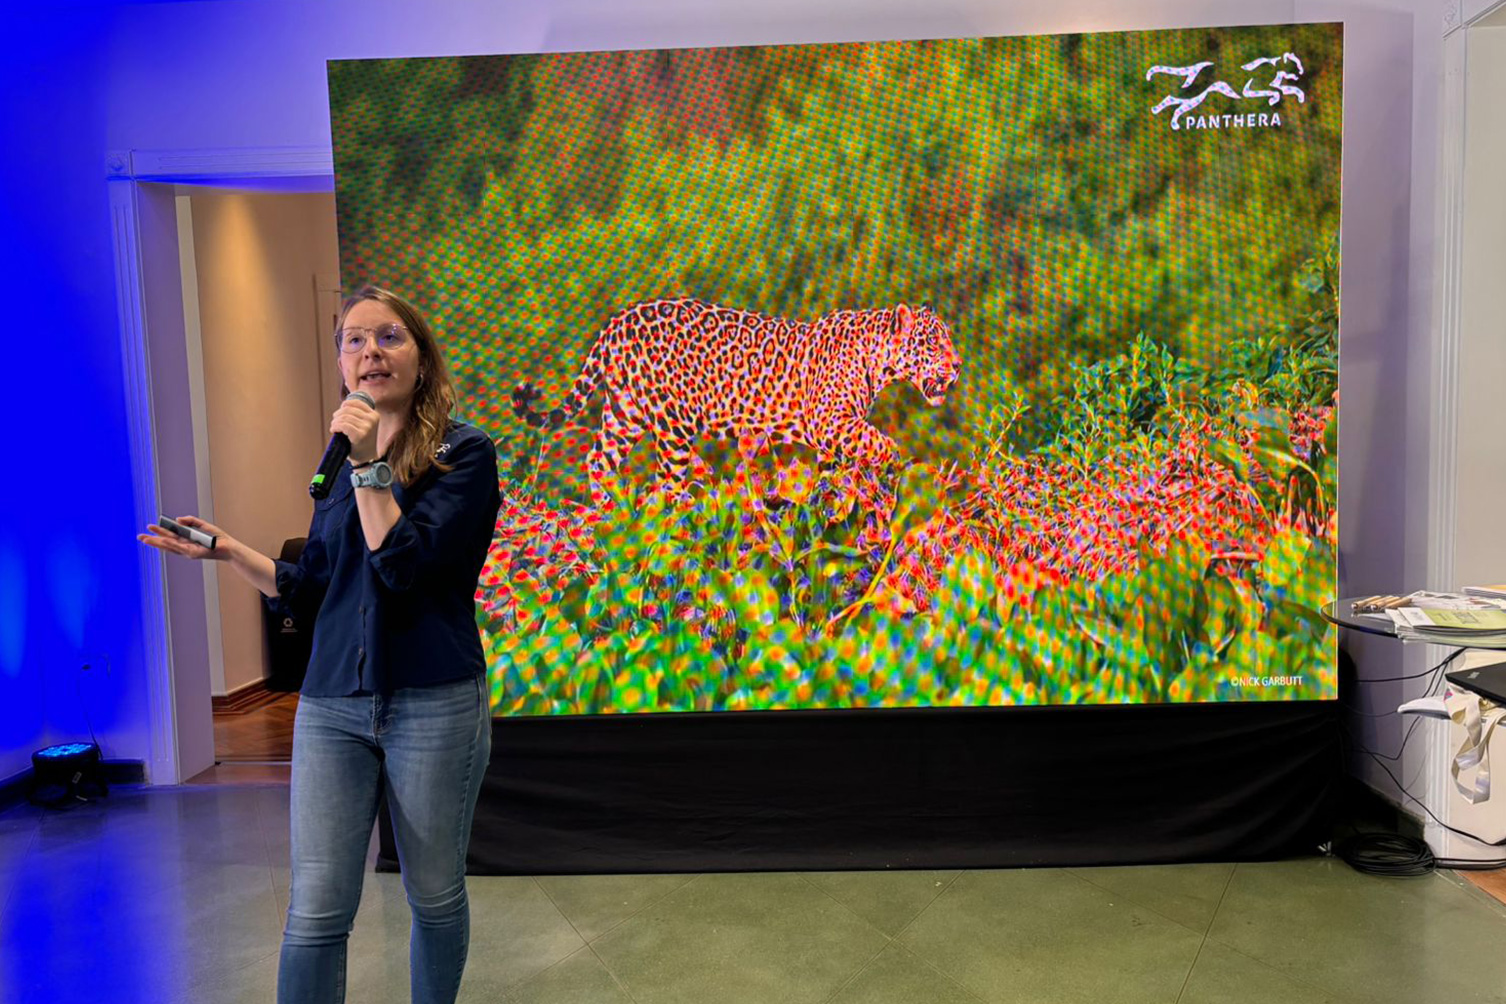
(69, 573)
(72, 579)
(13, 604)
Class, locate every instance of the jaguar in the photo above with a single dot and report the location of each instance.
(683, 369)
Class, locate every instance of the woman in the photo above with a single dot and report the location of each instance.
(395, 697)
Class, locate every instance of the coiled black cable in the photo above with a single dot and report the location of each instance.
(1389, 854)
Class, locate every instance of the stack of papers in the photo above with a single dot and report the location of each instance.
(1453, 601)
(1495, 592)
(1478, 628)
(1425, 599)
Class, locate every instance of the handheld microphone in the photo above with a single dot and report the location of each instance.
(334, 455)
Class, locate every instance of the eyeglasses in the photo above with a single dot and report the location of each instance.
(388, 337)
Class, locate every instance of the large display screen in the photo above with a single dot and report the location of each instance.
(991, 371)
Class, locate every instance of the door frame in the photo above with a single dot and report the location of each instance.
(177, 719)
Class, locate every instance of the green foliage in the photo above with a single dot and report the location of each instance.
(1117, 400)
(695, 605)
(1296, 364)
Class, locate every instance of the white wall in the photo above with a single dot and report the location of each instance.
(235, 74)
(1480, 549)
(1470, 10)
(1479, 545)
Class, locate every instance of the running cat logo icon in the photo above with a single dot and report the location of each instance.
(1285, 71)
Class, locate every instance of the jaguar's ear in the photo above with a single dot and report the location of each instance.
(902, 324)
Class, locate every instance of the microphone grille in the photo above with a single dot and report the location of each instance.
(361, 395)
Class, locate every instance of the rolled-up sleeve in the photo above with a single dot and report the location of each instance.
(301, 585)
(443, 525)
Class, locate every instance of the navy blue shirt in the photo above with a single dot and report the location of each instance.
(403, 615)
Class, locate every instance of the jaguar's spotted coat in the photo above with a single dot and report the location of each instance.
(683, 369)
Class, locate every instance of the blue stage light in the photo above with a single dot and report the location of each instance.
(61, 772)
(63, 750)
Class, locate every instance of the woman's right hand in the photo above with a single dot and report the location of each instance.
(165, 540)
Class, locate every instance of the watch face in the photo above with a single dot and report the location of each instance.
(378, 475)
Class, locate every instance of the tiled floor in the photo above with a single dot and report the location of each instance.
(172, 896)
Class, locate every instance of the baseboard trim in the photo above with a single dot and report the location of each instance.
(243, 699)
(125, 771)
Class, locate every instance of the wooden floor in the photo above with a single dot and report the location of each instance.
(1493, 882)
(232, 773)
(262, 735)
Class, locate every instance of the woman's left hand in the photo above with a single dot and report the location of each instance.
(358, 420)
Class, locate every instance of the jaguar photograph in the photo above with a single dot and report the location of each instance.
(938, 373)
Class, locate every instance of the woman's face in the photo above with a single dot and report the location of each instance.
(378, 355)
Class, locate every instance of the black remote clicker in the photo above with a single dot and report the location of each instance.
(186, 532)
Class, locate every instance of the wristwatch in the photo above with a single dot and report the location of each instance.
(374, 475)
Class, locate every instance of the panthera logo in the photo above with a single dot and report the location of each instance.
(1284, 71)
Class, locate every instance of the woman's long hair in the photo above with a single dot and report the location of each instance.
(412, 451)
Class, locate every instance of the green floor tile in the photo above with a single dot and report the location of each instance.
(739, 939)
(1047, 937)
(122, 940)
(887, 900)
(580, 979)
(1187, 894)
(516, 933)
(597, 903)
(215, 918)
(18, 828)
(252, 984)
(1223, 976)
(16, 835)
(377, 955)
(898, 976)
(1377, 940)
(282, 880)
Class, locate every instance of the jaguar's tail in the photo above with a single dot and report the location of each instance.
(525, 395)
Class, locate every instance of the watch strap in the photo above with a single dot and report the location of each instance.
(373, 476)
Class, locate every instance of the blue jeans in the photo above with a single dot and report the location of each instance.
(427, 748)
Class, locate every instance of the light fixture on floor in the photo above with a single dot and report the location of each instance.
(61, 772)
